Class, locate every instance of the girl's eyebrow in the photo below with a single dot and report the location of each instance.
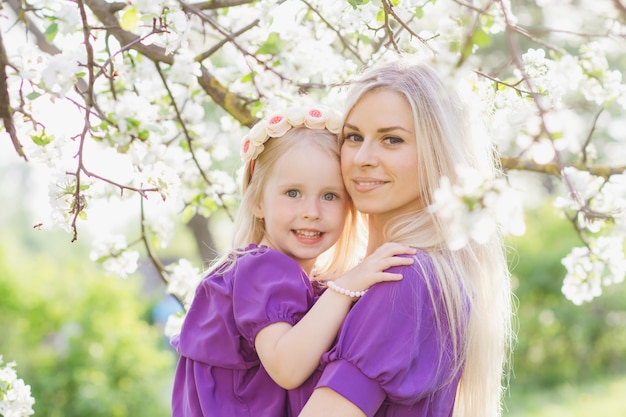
(381, 130)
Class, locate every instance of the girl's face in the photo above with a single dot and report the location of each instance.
(304, 204)
(379, 155)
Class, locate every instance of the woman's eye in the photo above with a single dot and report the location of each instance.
(330, 196)
(393, 140)
(353, 137)
(292, 193)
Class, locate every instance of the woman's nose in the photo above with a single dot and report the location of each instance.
(365, 155)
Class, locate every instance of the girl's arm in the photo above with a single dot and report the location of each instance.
(290, 354)
(326, 402)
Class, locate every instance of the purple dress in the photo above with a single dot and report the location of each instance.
(219, 372)
(387, 358)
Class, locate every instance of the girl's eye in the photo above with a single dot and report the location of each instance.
(293, 193)
(393, 140)
(330, 196)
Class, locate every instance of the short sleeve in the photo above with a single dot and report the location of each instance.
(388, 346)
(269, 287)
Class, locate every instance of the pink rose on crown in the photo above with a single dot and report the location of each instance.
(333, 121)
(248, 150)
(277, 125)
(315, 118)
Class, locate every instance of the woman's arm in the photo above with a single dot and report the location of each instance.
(290, 354)
(326, 402)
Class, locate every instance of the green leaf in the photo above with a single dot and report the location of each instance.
(357, 3)
(144, 134)
(365, 39)
(188, 212)
(487, 21)
(129, 19)
(133, 122)
(51, 32)
(42, 139)
(271, 46)
(481, 38)
(101, 259)
(380, 16)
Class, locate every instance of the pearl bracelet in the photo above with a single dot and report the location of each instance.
(340, 290)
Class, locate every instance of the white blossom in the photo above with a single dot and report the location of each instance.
(589, 269)
(183, 280)
(317, 54)
(161, 229)
(61, 72)
(15, 396)
(581, 186)
(113, 253)
(173, 325)
(474, 208)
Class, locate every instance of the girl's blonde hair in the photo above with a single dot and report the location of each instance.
(478, 273)
(248, 229)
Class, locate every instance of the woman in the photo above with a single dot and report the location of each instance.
(437, 341)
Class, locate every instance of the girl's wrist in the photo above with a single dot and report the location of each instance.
(352, 294)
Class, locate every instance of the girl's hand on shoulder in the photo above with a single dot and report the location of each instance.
(372, 269)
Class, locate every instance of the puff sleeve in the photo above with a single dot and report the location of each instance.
(269, 287)
(389, 349)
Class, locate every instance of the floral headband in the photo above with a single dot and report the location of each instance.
(277, 124)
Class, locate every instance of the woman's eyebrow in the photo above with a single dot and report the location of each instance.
(390, 128)
(381, 130)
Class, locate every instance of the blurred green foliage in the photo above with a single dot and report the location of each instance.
(600, 398)
(81, 340)
(559, 342)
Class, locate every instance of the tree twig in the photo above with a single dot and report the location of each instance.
(555, 168)
(6, 113)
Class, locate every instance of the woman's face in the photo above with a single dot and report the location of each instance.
(379, 155)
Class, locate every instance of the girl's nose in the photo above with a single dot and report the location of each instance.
(311, 210)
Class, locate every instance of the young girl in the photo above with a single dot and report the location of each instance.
(257, 326)
(434, 343)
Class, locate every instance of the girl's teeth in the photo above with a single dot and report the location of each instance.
(308, 235)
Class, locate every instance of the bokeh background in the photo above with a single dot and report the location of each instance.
(91, 344)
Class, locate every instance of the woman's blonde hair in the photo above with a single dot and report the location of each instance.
(248, 229)
(477, 273)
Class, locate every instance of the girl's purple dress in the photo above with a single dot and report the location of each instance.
(387, 358)
(219, 372)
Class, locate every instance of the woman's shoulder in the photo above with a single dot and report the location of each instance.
(422, 266)
(418, 282)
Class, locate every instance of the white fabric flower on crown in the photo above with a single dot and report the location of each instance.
(277, 124)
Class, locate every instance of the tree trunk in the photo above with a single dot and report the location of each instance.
(205, 243)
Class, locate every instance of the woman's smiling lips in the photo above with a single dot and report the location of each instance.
(367, 184)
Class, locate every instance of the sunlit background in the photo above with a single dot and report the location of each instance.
(91, 344)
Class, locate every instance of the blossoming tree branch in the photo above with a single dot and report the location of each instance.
(164, 91)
